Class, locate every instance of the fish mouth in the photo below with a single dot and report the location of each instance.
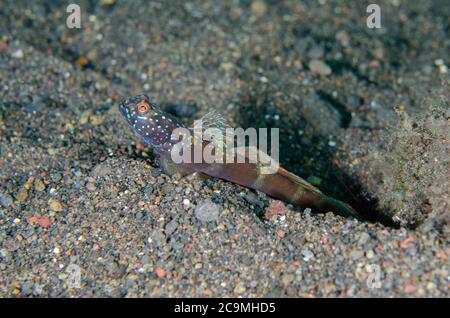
(124, 110)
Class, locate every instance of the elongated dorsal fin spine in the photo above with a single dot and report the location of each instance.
(296, 179)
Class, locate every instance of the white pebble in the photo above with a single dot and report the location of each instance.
(443, 69)
(186, 203)
(18, 54)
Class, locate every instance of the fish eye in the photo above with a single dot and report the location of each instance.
(142, 107)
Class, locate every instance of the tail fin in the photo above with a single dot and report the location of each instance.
(321, 203)
(340, 208)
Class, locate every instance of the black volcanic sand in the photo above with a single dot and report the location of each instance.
(79, 191)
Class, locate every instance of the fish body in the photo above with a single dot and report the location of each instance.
(155, 128)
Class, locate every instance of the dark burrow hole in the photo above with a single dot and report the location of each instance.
(309, 156)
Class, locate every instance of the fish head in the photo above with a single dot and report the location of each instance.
(153, 125)
(136, 108)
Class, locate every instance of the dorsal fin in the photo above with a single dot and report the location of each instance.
(213, 120)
